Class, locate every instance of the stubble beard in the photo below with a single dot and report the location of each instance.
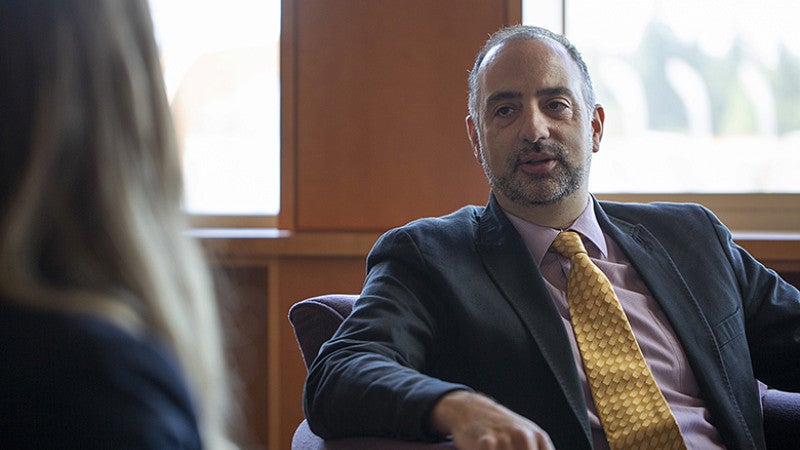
(538, 189)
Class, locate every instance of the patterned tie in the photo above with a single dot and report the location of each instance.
(631, 407)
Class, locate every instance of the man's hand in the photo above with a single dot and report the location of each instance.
(478, 423)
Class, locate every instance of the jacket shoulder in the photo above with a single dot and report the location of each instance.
(452, 225)
(656, 211)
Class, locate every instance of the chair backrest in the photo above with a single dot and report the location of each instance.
(316, 319)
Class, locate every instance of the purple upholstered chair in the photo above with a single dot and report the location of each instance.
(782, 420)
(316, 319)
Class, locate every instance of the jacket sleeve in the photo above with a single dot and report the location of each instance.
(368, 380)
(772, 317)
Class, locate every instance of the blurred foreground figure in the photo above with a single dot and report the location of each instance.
(109, 334)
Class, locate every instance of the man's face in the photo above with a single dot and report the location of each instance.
(534, 134)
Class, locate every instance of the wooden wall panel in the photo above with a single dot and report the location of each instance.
(260, 275)
(242, 292)
(300, 278)
(265, 363)
(380, 87)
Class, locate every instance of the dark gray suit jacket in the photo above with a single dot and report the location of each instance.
(457, 302)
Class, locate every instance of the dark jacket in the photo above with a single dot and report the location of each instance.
(457, 302)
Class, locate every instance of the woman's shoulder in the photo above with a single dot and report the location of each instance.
(77, 342)
(85, 379)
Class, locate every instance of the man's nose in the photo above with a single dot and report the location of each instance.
(535, 126)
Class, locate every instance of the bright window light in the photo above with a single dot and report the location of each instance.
(220, 62)
(701, 96)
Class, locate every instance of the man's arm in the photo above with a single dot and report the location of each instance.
(772, 314)
(376, 376)
(369, 379)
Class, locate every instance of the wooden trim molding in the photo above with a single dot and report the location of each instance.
(744, 212)
(258, 246)
(778, 251)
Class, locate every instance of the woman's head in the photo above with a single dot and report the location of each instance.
(90, 182)
(86, 131)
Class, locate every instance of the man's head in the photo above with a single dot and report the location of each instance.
(533, 121)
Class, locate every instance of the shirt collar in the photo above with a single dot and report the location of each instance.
(538, 238)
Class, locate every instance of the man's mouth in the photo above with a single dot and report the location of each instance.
(538, 164)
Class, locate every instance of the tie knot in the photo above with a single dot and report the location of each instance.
(568, 243)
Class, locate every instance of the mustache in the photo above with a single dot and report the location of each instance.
(555, 149)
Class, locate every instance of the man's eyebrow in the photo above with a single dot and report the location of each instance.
(544, 92)
(503, 95)
(557, 90)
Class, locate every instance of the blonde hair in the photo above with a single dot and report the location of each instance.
(90, 185)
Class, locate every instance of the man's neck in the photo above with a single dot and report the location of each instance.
(559, 215)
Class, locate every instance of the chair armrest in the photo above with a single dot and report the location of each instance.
(305, 439)
(314, 321)
(782, 419)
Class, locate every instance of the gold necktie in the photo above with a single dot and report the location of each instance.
(631, 407)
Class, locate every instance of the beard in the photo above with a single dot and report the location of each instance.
(538, 189)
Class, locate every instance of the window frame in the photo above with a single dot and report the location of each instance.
(232, 221)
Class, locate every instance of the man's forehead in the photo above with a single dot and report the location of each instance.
(526, 44)
(516, 59)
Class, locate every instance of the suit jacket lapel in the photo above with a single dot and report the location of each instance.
(660, 274)
(510, 265)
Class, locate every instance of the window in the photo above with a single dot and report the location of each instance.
(701, 96)
(220, 62)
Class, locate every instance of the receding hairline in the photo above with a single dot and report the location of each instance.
(528, 33)
(496, 47)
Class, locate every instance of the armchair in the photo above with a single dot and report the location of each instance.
(314, 321)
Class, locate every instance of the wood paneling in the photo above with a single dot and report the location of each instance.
(261, 274)
(244, 303)
(268, 371)
(378, 135)
(300, 278)
(774, 212)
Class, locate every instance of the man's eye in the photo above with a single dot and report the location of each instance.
(557, 106)
(504, 111)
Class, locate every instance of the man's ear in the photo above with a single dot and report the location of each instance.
(472, 133)
(598, 119)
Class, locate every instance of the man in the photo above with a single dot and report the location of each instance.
(463, 327)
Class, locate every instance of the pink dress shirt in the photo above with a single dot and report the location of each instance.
(656, 338)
